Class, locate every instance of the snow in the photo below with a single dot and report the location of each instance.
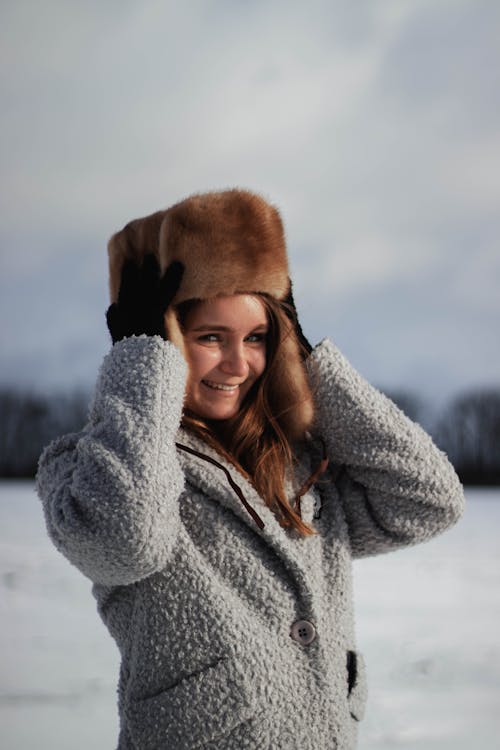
(427, 621)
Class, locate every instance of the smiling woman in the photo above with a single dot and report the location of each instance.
(227, 477)
(225, 344)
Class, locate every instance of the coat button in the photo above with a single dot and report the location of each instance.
(303, 632)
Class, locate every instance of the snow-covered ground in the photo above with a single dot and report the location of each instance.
(427, 618)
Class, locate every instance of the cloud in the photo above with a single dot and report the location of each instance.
(373, 126)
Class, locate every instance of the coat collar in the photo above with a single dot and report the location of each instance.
(213, 482)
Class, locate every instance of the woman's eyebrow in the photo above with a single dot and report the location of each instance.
(260, 327)
(212, 328)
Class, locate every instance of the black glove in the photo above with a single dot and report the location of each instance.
(291, 312)
(143, 299)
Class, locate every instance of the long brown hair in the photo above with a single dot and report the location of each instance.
(257, 440)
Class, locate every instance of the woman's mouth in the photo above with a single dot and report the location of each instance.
(220, 386)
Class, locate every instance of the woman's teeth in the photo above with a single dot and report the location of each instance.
(220, 386)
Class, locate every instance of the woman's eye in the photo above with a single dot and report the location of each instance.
(209, 338)
(218, 338)
(256, 338)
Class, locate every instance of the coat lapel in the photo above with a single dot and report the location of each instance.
(213, 482)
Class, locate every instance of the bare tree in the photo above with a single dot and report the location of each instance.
(410, 403)
(469, 431)
(29, 421)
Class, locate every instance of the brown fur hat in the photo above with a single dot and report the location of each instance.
(229, 242)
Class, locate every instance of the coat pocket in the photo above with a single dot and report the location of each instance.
(357, 685)
(199, 709)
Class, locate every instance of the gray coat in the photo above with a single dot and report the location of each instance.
(231, 636)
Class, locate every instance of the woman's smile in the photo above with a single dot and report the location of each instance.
(224, 387)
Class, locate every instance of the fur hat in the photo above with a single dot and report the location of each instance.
(229, 242)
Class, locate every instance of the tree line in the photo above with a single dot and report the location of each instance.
(467, 429)
(29, 421)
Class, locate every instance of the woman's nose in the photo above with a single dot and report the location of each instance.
(234, 361)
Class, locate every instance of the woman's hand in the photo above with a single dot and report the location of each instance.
(143, 299)
(291, 312)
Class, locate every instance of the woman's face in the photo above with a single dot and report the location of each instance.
(225, 342)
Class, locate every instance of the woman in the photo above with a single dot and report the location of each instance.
(226, 478)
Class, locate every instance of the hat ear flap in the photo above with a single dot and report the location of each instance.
(289, 388)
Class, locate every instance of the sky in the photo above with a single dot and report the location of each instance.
(373, 126)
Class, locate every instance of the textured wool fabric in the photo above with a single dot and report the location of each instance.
(201, 601)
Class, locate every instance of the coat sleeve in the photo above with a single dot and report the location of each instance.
(110, 492)
(397, 488)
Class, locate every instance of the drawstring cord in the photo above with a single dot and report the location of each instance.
(321, 468)
(258, 520)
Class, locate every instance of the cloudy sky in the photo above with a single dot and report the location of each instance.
(373, 125)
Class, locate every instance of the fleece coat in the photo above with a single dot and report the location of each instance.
(201, 601)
